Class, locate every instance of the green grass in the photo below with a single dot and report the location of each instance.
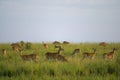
(12, 67)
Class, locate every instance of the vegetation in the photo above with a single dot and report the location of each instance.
(12, 67)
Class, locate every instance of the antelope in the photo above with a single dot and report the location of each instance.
(29, 57)
(89, 55)
(16, 47)
(104, 44)
(66, 42)
(4, 52)
(76, 51)
(109, 55)
(61, 57)
(56, 42)
(45, 45)
(54, 55)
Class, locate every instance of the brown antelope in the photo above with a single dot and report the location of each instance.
(76, 51)
(89, 55)
(66, 42)
(4, 52)
(61, 57)
(104, 44)
(29, 57)
(16, 47)
(56, 42)
(109, 55)
(53, 55)
(45, 45)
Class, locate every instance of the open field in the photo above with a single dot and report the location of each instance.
(12, 67)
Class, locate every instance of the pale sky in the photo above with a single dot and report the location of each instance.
(60, 20)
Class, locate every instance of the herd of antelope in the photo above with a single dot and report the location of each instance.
(57, 56)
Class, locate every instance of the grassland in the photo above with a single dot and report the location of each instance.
(12, 67)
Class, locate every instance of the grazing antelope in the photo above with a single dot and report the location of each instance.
(89, 55)
(29, 57)
(56, 42)
(76, 51)
(16, 47)
(104, 44)
(4, 52)
(53, 55)
(109, 55)
(45, 45)
(66, 42)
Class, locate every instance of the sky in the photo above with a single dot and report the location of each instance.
(59, 20)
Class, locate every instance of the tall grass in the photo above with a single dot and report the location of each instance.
(12, 67)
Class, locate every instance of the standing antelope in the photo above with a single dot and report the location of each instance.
(89, 55)
(109, 55)
(56, 42)
(53, 55)
(76, 51)
(4, 52)
(66, 42)
(59, 56)
(29, 57)
(45, 45)
(104, 44)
